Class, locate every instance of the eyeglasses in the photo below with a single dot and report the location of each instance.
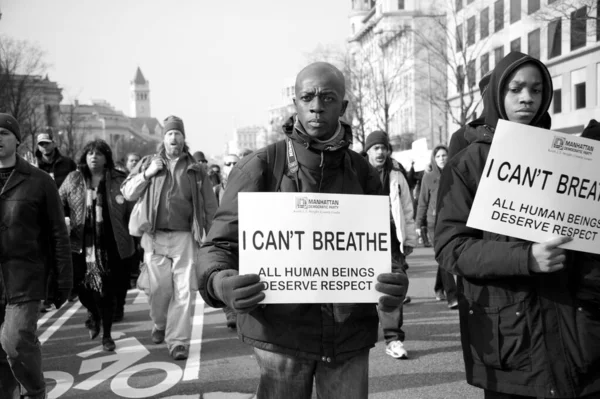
(230, 163)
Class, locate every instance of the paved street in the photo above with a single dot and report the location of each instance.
(222, 367)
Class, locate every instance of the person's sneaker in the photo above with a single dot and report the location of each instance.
(47, 306)
(108, 344)
(158, 336)
(440, 295)
(407, 300)
(179, 352)
(453, 304)
(73, 298)
(396, 350)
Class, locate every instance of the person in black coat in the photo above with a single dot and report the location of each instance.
(523, 331)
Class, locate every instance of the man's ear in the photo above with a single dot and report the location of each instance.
(344, 106)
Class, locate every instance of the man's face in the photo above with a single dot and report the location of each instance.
(523, 94)
(132, 160)
(174, 141)
(319, 103)
(378, 155)
(46, 147)
(228, 163)
(8, 144)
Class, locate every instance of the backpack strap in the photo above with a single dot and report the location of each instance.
(276, 157)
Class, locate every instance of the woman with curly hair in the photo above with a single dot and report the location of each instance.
(100, 240)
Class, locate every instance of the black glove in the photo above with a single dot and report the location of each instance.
(60, 297)
(394, 286)
(242, 293)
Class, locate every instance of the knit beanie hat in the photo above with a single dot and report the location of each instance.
(173, 122)
(9, 123)
(377, 137)
(592, 131)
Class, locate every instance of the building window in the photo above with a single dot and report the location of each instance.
(400, 4)
(498, 54)
(460, 79)
(471, 31)
(471, 74)
(578, 28)
(459, 5)
(557, 99)
(498, 15)
(580, 95)
(533, 43)
(515, 45)
(533, 6)
(484, 22)
(459, 37)
(485, 64)
(515, 10)
(555, 38)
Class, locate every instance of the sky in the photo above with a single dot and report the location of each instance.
(216, 64)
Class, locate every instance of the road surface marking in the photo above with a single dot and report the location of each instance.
(59, 322)
(192, 366)
(141, 298)
(45, 318)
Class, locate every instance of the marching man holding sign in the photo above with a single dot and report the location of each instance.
(524, 333)
(297, 344)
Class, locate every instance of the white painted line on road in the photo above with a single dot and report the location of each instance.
(59, 322)
(192, 366)
(44, 318)
(141, 298)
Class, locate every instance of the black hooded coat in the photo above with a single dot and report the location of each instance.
(522, 333)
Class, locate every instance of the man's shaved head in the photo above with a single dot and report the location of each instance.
(322, 69)
(320, 89)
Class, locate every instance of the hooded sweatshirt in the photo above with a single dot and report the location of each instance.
(522, 333)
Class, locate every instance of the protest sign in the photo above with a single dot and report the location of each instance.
(538, 184)
(315, 248)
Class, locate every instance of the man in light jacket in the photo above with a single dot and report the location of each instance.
(181, 206)
(402, 228)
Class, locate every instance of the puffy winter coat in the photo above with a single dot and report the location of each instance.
(72, 194)
(324, 332)
(522, 333)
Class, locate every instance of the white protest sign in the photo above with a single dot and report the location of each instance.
(315, 248)
(538, 184)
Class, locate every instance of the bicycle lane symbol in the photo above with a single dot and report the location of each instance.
(129, 351)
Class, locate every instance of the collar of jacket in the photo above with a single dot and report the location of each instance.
(192, 164)
(302, 138)
(22, 166)
(57, 156)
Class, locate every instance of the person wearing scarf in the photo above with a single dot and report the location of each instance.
(523, 331)
(100, 240)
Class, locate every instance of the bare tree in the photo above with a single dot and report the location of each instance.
(21, 68)
(73, 129)
(450, 52)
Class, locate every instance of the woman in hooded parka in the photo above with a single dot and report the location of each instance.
(524, 332)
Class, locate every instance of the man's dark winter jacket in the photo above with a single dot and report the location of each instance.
(522, 333)
(33, 235)
(59, 168)
(325, 332)
(72, 195)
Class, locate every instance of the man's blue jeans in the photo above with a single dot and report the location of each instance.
(20, 355)
(289, 377)
(391, 321)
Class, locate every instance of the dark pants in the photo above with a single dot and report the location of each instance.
(444, 280)
(20, 354)
(289, 377)
(100, 306)
(391, 322)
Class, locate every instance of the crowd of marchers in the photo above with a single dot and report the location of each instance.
(90, 229)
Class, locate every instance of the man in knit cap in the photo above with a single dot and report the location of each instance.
(181, 209)
(33, 239)
(402, 229)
